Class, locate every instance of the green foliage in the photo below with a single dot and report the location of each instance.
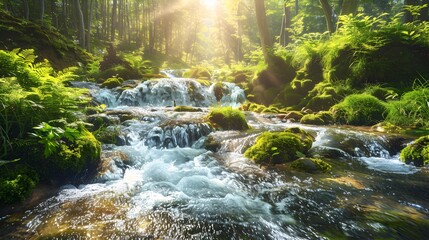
(311, 165)
(24, 105)
(381, 93)
(416, 153)
(16, 183)
(19, 64)
(198, 72)
(377, 50)
(228, 118)
(411, 109)
(359, 109)
(279, 147)
(68, 148)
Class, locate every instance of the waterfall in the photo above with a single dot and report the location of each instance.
(169, 91)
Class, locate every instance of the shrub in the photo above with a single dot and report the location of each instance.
(411, 109)
(279, 147)
(16, 183)
(417, 152)
(228, 118)
(359, 109)
(67, 150)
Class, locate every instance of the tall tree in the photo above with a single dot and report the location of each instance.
(42, 10)
(261, 19)
(80, 23)
(286, 24)
(327, 11)
(113, 21)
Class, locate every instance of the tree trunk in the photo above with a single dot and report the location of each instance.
(88, 26)
(286, 24)
(81, 24)
(327, 11)
(42, 11)
(113, 20)
(264, 35)
(349, 7)
(26, 10)
(296, 7)
(239, 47)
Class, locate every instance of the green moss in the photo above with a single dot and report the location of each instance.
(278, 147)
(380, 92)
(321, 102)
(16, 183)
(311, 165)
(312, 119)
(218, 90)
(187, 109)
(112, 82)
(326, 116)
(270, 109)
(198, 73)
(293, 115)
(411, 109)
(359, 109)
(74, 158)
(417, 153)
(302, 86)
(228, 118)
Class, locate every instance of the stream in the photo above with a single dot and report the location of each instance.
(160, 181)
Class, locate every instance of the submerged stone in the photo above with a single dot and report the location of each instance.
(311, 165)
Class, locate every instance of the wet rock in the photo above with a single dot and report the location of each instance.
(311, 165)
(99, 120)
(112, 165)
(180, 135)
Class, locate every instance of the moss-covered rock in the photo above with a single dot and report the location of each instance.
(112, 82)
(219, 91)
(302, 86)
(381, 93)
(294, 115)
(187, 109)
(310, 165)
(326, 116)
(227, 118)
(321, 102)
(416, 153)
(279, 147)
(16, 183)
(75, 158)
(359, 109)
(198, 73)
(312, 119)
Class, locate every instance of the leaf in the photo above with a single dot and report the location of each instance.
(300, 154)
(4, 162)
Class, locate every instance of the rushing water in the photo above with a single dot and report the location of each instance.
(163, 184)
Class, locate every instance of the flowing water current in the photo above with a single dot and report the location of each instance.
(160, 181)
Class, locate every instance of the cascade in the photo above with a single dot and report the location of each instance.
(163, 182)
